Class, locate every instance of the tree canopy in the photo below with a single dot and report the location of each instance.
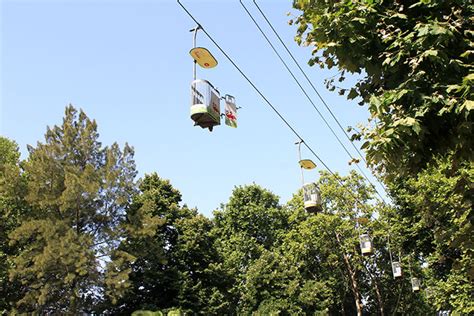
(414, 64)
(79, 235)
(415, 60)
(76, 191)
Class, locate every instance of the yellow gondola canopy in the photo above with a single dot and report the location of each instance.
(307, 164)
(203, 57)
(361, 220)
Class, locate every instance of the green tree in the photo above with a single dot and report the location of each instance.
(12, 208)
(247, 226)
(323, 250)
(439, 222)
(172, 253)
(77, 191)
(417, 62)
(317, 266)
(415, 58)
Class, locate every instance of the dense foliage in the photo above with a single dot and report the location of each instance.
(416, 57)
(80, 235)
(415, 60)
(75, 192)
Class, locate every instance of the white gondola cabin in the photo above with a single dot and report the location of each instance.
(366, 245)
(397, 269)
(415, 284)
(312, 198)
(205, 104)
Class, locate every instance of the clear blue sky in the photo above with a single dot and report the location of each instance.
(126, 64)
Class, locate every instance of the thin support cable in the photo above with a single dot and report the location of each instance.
(299, 157)
(389, 251)
(338, 179)
(307, 78)
(195, 30)
(309, 98)
(314, 89)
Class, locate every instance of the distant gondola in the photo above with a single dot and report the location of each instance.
(311, 194)
(415, 284)
(396, 269)
(366, 245)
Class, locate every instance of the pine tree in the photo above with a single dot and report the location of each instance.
(77, 190)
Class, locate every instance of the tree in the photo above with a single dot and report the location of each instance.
(172, 253)
(248, 225)
(77, 191)
(317, 267)
(276, 283)
(326, 244)
(12, 208)
(441, 229)
(416, 61)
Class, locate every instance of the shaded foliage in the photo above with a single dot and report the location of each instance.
(170, 251)
(415, 60)
(80, 236)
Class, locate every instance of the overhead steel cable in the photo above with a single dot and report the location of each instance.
(309, 98)
(309, 80)
(267, 101)
(312, 85)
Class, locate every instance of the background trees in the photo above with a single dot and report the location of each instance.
(171, 253)
(79, 235)
(415, 61)
(248, 226)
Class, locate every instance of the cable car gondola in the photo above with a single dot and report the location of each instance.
(415, 284)
(366, 245)
(205, 104)
(396, 265)
(396, 269)
(205, 99)
(312, 197)
(311, 194)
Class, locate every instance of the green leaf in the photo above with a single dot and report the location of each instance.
(423, 30)
(400, 16)
(430, 52)
(437, 29)
(467, 53)
(468, 78)
(331, 44)
(453, 87)
(468, 105)
(352, 94)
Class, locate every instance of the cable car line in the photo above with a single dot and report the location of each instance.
(416, 284)
(266, 100)
(311, 100)
(242, 73)
(309, 80)
(315, 90)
